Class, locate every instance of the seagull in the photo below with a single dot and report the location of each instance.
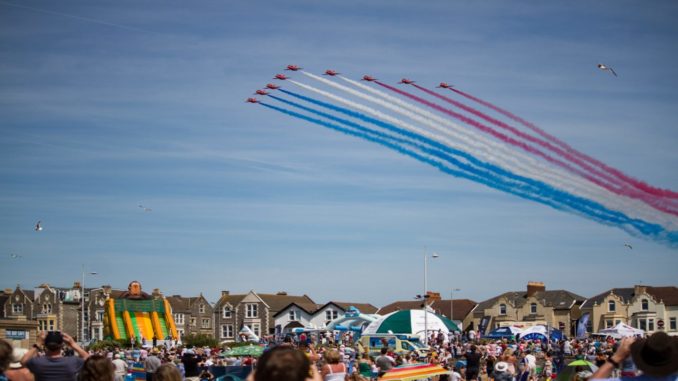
(38, 227)
(629, 246)
(145, 208)
(605, 67)
(14, 256)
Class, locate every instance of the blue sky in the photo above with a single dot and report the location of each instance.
(108, 105)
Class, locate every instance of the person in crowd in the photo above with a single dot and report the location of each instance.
(656, 356)
(384, 362)
(54, 366)
(205, 375)
(168, 372)
(472, 363)
(16, 371)
(97, 368)
(365, 366)
(191, 361)
(5, 358)
(151, 364)
(501, 372)
(120, 366)
(283, 363)
(334, 368)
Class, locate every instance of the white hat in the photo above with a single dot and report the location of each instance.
(501, 366)
(17, 354)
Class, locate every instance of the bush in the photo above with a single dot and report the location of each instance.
(108, 344)
(199, 340)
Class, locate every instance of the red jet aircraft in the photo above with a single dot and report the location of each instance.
(293, 67)
(331, 73)
(261, 92)
(281, 77)
(406, 81)
(368, 78)
(444, 85)
(252, 100)
(272, 86)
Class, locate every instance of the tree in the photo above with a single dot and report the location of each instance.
(199, 340)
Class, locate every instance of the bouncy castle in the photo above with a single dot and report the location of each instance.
(137, 316)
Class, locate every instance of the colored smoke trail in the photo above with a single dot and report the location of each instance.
(538, 188)
(494, 152)
(652, 201)
(632, 226)
(667, 193)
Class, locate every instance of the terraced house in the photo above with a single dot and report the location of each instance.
(192, 315)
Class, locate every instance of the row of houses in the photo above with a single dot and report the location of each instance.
(57, 308)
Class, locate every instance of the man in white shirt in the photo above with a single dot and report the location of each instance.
(120, 367)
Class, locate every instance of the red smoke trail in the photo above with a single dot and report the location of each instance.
(636, 183)
(518, 143)
(624, 188)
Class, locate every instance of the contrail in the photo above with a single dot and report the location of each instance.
(490, 149)
(630, 225)
(636, 183)
(81, 18)
(530, 149)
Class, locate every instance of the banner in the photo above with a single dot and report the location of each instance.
(581, 325)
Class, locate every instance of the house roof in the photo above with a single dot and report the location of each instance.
(558, 299)
(667, 294)
(277, 301)
(308, 308)
(461, 307)
(365, 308)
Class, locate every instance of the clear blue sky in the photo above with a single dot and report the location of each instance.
(108, 105)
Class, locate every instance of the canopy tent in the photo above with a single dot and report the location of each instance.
(411, 322)
(413, 372)
(621, 330)
(503, 333)
(539, 332)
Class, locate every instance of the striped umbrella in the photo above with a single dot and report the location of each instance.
(413, 372)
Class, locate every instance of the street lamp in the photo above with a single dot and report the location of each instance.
(434, 255)
(452, 304)
(82, 302)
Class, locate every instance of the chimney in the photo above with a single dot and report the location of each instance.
(8, 291)
(76, 284)
(156, 293)
(283, 293)
(225, 292)
(639, 289)
(432, 296)
(534, 287)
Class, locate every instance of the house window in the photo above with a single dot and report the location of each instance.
(533, 308)
(608, 323)
(180, 332)
(611, 306)
(672, 324)
(650, 325)
(644, 305)
(205, 323)
(251, 311)
(502, 309)
(193, 322)
(179, 319)
(17, 308)
(256, 328)
(86, 315)
(292, 316)
(642, 324)
(51, 325)
(227, 330)
(100, 315)
(331, 314)
(227, 311)
(201, 308)
(46, 308)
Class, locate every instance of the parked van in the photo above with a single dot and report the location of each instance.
(402, 344)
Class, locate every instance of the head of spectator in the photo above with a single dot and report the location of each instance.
(332, 356)
(54, 341)
(656, 355)
(167, 372)
(282, 364)
(97, 368)
(5, 355)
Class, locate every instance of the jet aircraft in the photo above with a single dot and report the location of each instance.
(331, 73)
(261, 92)
(369, 78)
(293, 67)
(252, 100)
(272, 86)
(406, 81)
(444, 85)
(281, 77)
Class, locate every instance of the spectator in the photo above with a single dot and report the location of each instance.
(334, 369)
(284, 364)
(120, 367)
(5, 358)
(151, 364)
(656, 356)
(53, 366)
(97, 368)
(168, 372)
(384, 362)
(16, 371)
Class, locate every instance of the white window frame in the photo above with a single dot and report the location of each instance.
(533, 308)
(226, 331)
(291, 316)
(672, 324)
(502, 309)
(645, 305)
(17, 308)
(227, 312)
(256, 328)
(611, 306)
(205, 323)
(201, 308)
(179, 319)
(251, 310)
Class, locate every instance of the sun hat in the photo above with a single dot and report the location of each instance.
(17, 354)
(501, 366)
(656, 355)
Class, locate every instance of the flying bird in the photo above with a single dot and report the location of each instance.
(629, 246)
(38, 227)
(145, 208)
(607, 68)
(14, 256)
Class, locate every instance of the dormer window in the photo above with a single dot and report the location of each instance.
(533, 308)
(227, 312)
(611, 306)
(201, 308)
(292, 316)
(502, 309)
(644, 305)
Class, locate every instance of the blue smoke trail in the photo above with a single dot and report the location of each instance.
(588, 206)
(613, 217)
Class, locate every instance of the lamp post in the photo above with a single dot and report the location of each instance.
(82, 302)
(452, 304)
(425, 296)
